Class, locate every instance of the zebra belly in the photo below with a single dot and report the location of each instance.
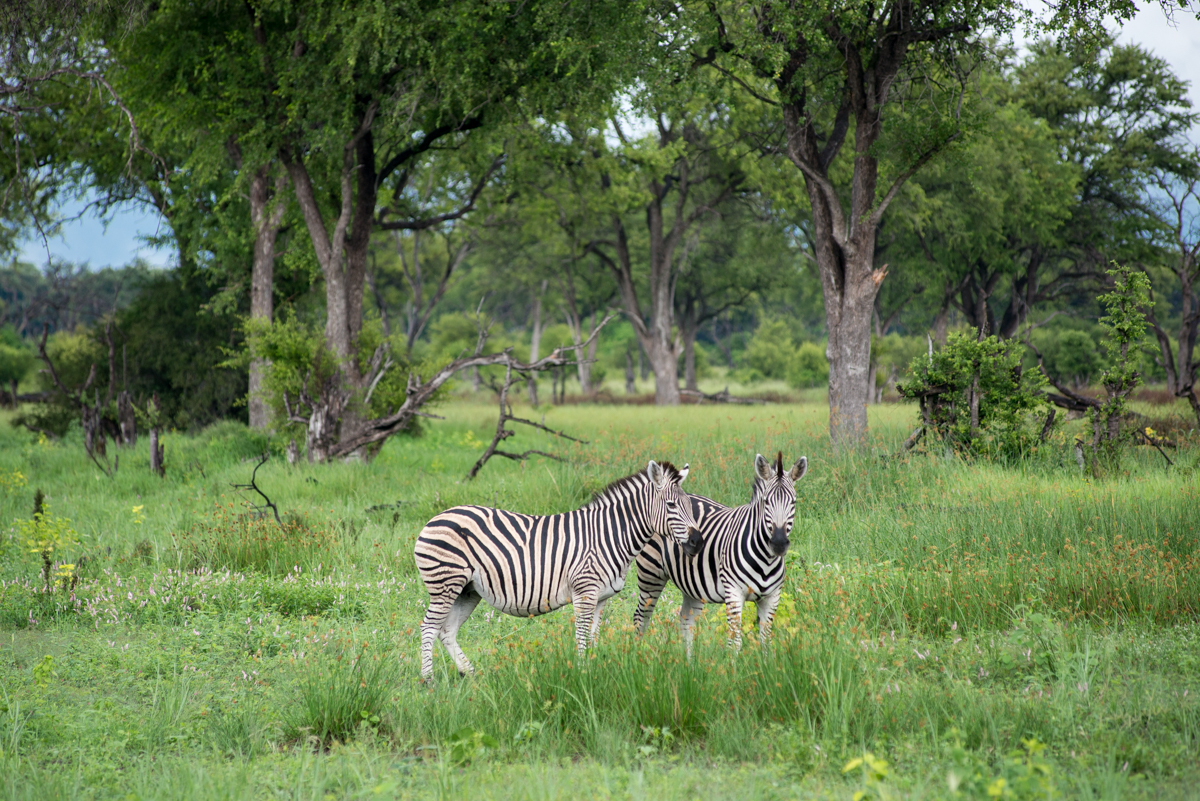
(556, 599)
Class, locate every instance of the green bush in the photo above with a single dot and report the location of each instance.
(809, 367)
(770, 352)
(1008, 396)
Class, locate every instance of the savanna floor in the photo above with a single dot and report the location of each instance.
(951, 629)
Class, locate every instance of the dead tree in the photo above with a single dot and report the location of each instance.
(253, 485)
(503, 432)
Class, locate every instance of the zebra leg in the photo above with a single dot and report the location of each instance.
(733, 620)
(463, 606)
(766, 615)
(596, 621)
(652, 579)
(439, 609)
(689, 613)
(585, 610)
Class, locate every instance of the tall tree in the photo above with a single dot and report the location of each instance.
(888, 81)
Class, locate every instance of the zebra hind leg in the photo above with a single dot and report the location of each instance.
(689, 613)
(585, 612)
(439, 609)
(595, 632)
(463, 606)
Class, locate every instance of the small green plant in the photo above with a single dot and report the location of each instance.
(1124, 326)
(43, 674)
(655, 739)
(874, 776)
(46, 536)
(468, 745)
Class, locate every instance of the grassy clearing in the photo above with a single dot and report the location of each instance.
(950, 618)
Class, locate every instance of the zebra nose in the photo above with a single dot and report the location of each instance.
(692, 546)
(779, 541)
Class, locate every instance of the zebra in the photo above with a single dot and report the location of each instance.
(740, 558)
(526, 565)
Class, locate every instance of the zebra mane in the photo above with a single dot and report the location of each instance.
(635, 481)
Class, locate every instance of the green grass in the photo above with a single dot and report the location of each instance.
(939, 614)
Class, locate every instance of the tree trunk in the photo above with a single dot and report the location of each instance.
(535, 343)
(266, 222)
(630, 385)
(126, 419)
(643, 363)
(848, 320)
(157, 452)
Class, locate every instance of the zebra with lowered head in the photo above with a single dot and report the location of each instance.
(740, 557)
(526, 565)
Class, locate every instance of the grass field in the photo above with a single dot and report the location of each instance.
(988, 631)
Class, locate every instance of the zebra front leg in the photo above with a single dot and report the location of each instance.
(733, 621)
(652, 579)
(689, 613)
(766, 615)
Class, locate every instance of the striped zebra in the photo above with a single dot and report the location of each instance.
(741, 558)
(526, 565)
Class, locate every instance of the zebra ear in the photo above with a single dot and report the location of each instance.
(762, 468)
(798, 469)
(683, 473)
(657, 475)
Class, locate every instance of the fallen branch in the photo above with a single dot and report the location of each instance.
(420, 391)
(1150, 440)
(721, 397)
(912, 440)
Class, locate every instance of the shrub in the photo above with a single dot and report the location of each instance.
(809, 367)
(975, 396)
(770, 351)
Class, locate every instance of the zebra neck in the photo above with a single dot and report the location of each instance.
(631, 538)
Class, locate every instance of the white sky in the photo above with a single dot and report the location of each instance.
(89, 240)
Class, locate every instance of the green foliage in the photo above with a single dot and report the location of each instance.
(770, 351)
(773, 353)
(809, 367)
(1070, 355)
(989, 370)
(16, 357)
(467, 745)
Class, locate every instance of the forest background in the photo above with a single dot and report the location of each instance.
(345, 215)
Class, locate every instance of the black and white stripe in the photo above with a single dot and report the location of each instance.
(526, 565)
(740, 558)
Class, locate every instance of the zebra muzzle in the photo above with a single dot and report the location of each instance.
(779, 541)
(694, 541)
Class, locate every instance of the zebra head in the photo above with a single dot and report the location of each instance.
(671, 507)
(775, 490)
